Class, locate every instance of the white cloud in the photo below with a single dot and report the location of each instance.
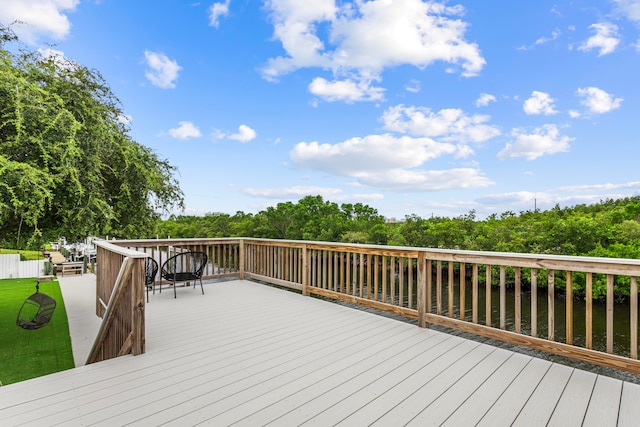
(162, 72)
(413, 86)
(39, 17)
(385, 161)
(554, 35)
(633, 185)
(364, 38)
(292, 192)
(185, 130)
(629, 8)
(425, 180)
(373, 152)
(450, 124)
(516, 198)
(485, 99)
(597, 100)
(216, 11)
(125, 119)
(544, 140)
(605, 39)
(245, 134)
(57, 56)
(539, 103)
(345, 90)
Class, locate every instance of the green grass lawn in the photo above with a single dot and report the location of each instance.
(24, 255)
(26, 354)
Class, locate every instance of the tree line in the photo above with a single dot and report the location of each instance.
(610, 228)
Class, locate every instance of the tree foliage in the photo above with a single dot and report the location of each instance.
(67, 164)
(610, 228)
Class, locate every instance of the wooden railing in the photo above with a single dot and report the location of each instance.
(119, 302)
(455, 289)
(517, 298)
(223, 254)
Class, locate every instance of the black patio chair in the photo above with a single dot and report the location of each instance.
(150, 275)
(184, 267)
(36, 311)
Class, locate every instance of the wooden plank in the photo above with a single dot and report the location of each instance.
(433, 385)
(344, 392)
(572, 405)
(439, 410)
(605, 403)
(260, 354)
(542, 401)
(629, 407)
(505, 410)
(474, 407)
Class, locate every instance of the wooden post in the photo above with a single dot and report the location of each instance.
(137, 306)
(634, 317)
(242, 255)
(422, 291)
(305, 270)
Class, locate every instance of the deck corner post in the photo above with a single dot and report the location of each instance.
(305, 270)
(137, 306)
(422, 290)
(242, 261)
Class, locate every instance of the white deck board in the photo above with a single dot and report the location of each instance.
(542, 402)
(248, 354)
(572, 406)
(605, 403)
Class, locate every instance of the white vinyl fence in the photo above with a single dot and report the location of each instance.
(12, 268)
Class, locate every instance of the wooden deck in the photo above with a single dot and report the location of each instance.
(249, 354)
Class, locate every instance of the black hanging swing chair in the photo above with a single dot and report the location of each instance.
(37, 310)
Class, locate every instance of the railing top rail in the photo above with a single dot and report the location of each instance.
(111, 246)
(186, 241)
(458, 253)
(583, 263)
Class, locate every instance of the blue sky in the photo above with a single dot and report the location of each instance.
(409, 106)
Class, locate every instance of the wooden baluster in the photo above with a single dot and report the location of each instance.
(633, 317)
(551, 307)
(450, 287)
(487, 295)
(534, 302)
(569, 308)
(518, 301)
(503, 297)
(463, 285)
(610, 301)
(474, 294)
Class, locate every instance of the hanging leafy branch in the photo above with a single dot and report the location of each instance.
(67, 164)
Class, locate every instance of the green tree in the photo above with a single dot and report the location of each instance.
(67, 164)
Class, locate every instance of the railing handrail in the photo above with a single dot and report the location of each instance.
(351, 272)
(118, 249)
(453, 254)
